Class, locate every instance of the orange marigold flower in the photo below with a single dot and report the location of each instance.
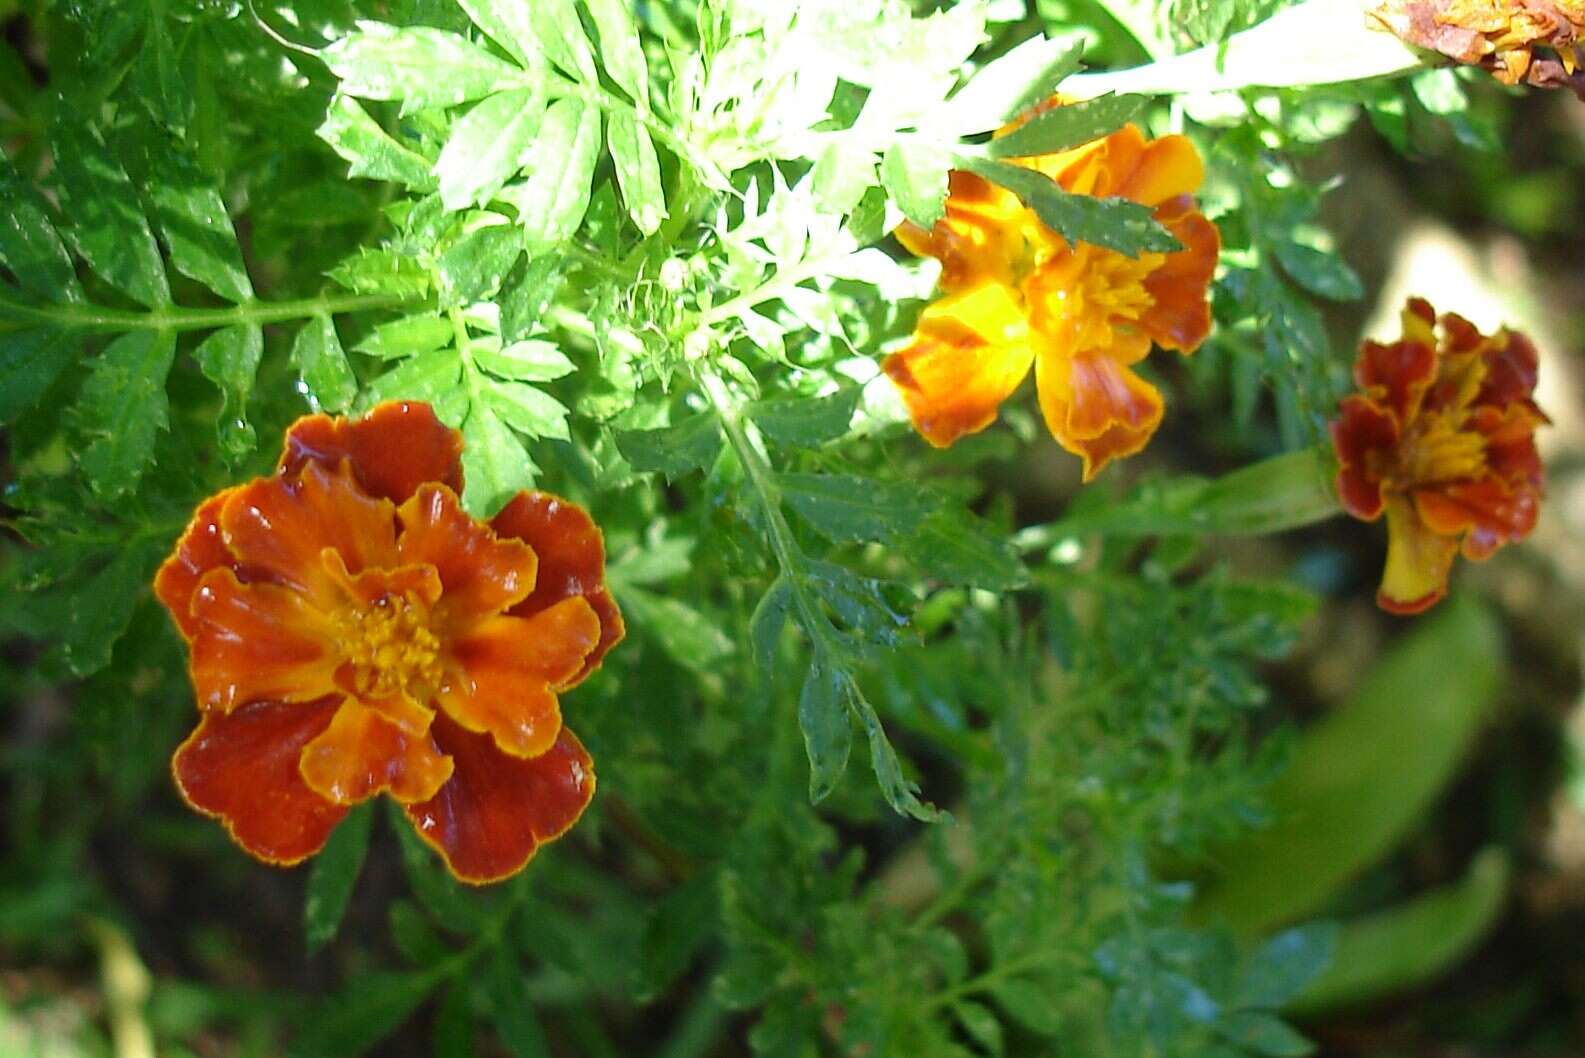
(353, 631)
(1502, 36)
(1017, 294)
(1441, 437)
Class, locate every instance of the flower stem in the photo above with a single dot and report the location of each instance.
(90, 317)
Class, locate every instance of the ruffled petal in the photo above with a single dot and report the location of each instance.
(482, 574)
(970, 352)
(1397, 373)
(394, 449)
(488, 821)
(1096, 408)
(1418, 560)
(571, 553)
(278, 527)
(361, 753)
(241, 767)
(503, 675)
(200, 549)
(1512, 370)
(1179, 316)
(254, 642)
(1165, 168)
(1362, 427)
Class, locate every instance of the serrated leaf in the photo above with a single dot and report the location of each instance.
(1061, 128)
(551, 203)
(1025, 75)
(508, 24)
(982, 1026)
(560, 32)
(488, 146)
(29, 243)
(901, 793)
(373, 1005)
(637, 171)
(494, 463)
(1114, 223)
(418, 65)
(916, 178)
(230, 359)
(673, 450)
(196, 228)
(841, 175)
(827, 728)
(529, 289)
(407, 336)
(333, 876)
(30, 362)
(474, 267)
(806, 421)
(621, 52)
(322, 365)
(688, 637)
(527, 410)
(382, 272)
(848, 508)
(534, 360)
(370, 151)
(123, 406)
(107, 227)
(158, 77)
(766, 625)
(434, 377)
(92, 628)
(959, 549)
(1320, 273)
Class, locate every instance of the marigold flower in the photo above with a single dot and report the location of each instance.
(1441, 437)
(353, 630)
(1017, 294)
(1500, 35)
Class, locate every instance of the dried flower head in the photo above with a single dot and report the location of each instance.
(1538, 42)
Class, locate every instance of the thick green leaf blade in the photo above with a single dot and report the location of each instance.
(1115, 223)
(1414, 943)
(334, 874)
(418, 65)
(551, 203)
(107, 226)
(673, 450)
(370, 151)
(1362, 777)
(1060, 128)
(29, 244)
(848, 508)
(916, 178)
(30, 362)
(323, 365)
(230, 359)
(488, 146)
(767, 623)
(494, 463)
(372, 1007)
(620, 48)
(806, 421)
(637, 171)
(123, 407)
(827, 728)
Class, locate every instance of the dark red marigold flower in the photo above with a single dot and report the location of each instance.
(354, 631)
(1538, 42)
(1441, 437)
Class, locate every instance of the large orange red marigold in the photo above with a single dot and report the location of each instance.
(1016, 294)
(354, 631)
(1440, 438)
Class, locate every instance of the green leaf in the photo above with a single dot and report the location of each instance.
(806, 421)
(637, 171)
(323, 366)
(1412, 944)
(353, 134)
(29, 244)
(561, 36)
(529, 289)
(452, 1036)
(982, 1026)
(1030, 1005)
(766, 625)
(418, 65)
(333, 876)
(478, 263)
(1320, 273)
(960, 549)
(1285, 964)
(620, 49)
(900, 792)
(488, 146)
(123, 407)
(230, 359)
(512, 1012)
(534, 360)
(30, 362)
(843, 507)
(842, 173)
(1363, 776)
(528, 410)
(105, 606)
(673, 450)
(1063, 127)
(916, 178)
(1115, 223)
(1026, 74)
(688, 637)
(408, 336)
(1256, 1032)
(372, 1007)
(382, 272)
(158, 76)
(827, 728)
(434, 377)
(108, 229)
(196, 227)
(551, 203)
(510, 24)
(494, 463)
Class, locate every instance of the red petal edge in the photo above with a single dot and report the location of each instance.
(394, 449)
(200, 549)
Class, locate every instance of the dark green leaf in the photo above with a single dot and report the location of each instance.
(1029, 1004)
(806, 421)
(1320, 273)
(527, 293)
(30, 362)
(230, 359)
(123, 407)
(475, 267)
(1115, 223)
(371, 1008)
(827, 728)
(551, 203)
(453, 1032)
(688, 637)
(900, 792)
(526, 361)
(488, 147)
(158, 76)
(960, 549)
(673, 450)
(682, 923)
(983, 1027)
(916, 178)
(512, 1012)
(193, 220)
(494, 463)
(104, 608)
(334, 874)
(323, 366)
(369, 149)
(421, 66)
(1063, 127)
(765, 627)
(844, 507)
(29, 244)
(107, 227)
(637, 171)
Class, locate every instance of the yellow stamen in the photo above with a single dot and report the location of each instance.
(390, 647)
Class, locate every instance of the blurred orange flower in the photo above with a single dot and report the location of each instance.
(354, 631)
(1501, 35)
(1016, 295)
(1441, 437)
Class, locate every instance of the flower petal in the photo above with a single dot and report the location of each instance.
(1418, 560)
(241, 767)
(200, 549)
(969, 353)
(1096, 408)
(571, 554)
(361, 753)
(482, 574)
(505, 673)
(1362, 427)
(496, 810)
(1165, 168)
(394, 449)
(278, 527)
(1179, 316)
(257, 641)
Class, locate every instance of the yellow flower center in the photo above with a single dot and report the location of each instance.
(1436, 450)
(390, 647)
(1090, 290)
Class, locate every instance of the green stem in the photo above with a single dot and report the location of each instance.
(89, 317)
